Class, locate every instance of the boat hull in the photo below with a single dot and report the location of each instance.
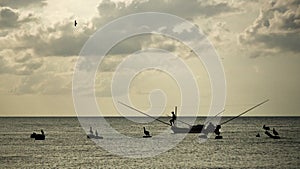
(91, 136)
(272, 136)
(193, 129)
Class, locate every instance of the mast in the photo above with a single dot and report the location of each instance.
(175, 122)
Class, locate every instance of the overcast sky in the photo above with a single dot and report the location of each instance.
(258, 42)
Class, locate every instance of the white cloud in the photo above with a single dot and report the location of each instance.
(277, 28)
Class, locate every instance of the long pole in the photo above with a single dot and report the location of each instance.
(245, 112)
(215, 116)
(144, 113)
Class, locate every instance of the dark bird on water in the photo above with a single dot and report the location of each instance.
(257, 135)
(147, 133)
(266, 128)
(75, 23)
(275, 132)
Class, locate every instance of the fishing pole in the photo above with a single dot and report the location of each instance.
(144, 113)
(214, 116)
(183, 122)
(245, 112)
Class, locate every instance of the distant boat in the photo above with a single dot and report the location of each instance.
(92, 136)
(266, 128)
(38, 136)
(272, 136)
(275, 132)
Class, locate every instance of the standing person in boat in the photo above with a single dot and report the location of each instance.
(209, 128)
(172, 121)
(91, 131)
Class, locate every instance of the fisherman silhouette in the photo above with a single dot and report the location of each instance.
(75, 23)
(91, 130)
(217, 130)
(42, 131)
(209, 128)
(275, 132)
(96, 132)
(172, 121)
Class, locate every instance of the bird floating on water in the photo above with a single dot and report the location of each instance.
(147, 133)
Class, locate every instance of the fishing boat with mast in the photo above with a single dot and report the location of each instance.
(199, 128)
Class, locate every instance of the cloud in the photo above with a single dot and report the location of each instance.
(22, 63)
(192, 9)
(22, 3)
(61, 39)
(277, 28)
(10, 18)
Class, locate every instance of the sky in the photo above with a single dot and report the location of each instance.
(257, 41)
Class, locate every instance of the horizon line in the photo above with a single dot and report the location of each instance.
(139, 116)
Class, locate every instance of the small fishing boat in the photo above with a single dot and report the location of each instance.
(272, 136)
(92, 136)
(38, 136)
(193, 129)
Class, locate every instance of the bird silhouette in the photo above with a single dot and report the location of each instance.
(75, 23)
(275, 132)
(266, 128)
(147, 133)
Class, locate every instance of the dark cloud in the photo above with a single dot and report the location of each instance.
(22, 3)
(10, 18)
(277, 27)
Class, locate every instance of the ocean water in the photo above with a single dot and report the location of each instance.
(66, 145)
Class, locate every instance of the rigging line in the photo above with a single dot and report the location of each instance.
(144, 113)
(183, 122)
(245, 112)
(214, 116)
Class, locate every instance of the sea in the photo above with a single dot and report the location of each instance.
(67, 146)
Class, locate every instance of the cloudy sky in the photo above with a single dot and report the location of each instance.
(258, 42)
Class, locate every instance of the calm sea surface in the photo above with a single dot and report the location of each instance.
(66, 145)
